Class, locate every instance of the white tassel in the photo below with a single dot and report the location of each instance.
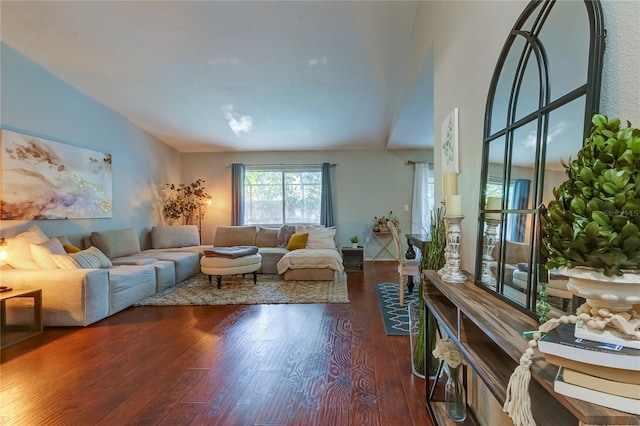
(517, 403)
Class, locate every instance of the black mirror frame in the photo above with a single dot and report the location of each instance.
(591, 91)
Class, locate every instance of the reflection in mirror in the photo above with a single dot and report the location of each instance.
(564, 140)
(529, 88)
(505, 83)
(544, 90)
(494, 192)
(518, 253)
(563, 37)
(523, 161)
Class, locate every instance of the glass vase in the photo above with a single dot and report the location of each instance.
(454, 395)
(416, 339)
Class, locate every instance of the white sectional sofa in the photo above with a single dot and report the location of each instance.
(113, 273)
(84, 295)
(318, 260)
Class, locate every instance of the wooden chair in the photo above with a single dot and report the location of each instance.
(406, 267)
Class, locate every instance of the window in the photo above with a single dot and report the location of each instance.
(282, 195)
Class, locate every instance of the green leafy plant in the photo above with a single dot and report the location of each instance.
(355, 239)
(185, 200)
(432, 259)
(594, 220)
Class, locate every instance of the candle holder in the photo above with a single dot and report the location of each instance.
(444, 269)
(490, 240)
(452, 273)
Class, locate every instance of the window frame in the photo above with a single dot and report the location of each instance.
(283, 170)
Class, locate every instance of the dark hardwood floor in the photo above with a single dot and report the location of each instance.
(220, 365)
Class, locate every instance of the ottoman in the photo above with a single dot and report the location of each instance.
(219, 266)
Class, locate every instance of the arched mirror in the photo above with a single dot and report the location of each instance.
(544, 90)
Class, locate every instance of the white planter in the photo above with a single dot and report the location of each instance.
(354, 245)
(617, 295)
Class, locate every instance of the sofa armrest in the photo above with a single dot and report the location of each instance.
(69, 296)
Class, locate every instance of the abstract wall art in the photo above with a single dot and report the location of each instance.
(450, 156)
(42, 179)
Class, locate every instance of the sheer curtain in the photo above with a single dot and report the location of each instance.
(422, 204)
(237, 194)
(326, 202)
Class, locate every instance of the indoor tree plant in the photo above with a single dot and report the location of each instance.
(354, 241)
(184, 201)
(592, 229)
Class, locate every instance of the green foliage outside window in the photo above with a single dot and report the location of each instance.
(282, 196)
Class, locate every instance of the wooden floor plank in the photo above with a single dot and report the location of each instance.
(220, 365)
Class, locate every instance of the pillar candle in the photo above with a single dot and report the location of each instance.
(449, 184)
(454, 205)
(494, 203)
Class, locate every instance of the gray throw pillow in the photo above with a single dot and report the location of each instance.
(284, 235)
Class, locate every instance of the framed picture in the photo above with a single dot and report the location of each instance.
(450, 156)
(42, 179)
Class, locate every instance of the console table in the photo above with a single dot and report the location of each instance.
(488, 333)
(419, 240)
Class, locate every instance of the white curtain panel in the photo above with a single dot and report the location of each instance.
(422, 204)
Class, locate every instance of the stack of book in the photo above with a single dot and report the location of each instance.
(599, 373)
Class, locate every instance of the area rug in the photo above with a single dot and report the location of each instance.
(396, 317)
(270, 289)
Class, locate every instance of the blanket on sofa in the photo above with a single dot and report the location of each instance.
(231, 252)
(310, 259)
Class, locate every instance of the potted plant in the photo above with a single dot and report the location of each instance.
(592, 228)
(354, 241)
(432, 259)
(185, 200)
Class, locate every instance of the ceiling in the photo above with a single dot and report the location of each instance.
(206, 76)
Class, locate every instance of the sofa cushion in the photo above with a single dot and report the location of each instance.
(270, 258)
(68, 247)
(284, 235)
(266, 237)
(230, 236)
(116, 243)
(130, 284)
(42, 253)
(297, 241)
(187, 264)
(321, 238)
(91, 258)
(19, 248)
(174, 236)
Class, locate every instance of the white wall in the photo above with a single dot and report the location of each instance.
(37, 103)
(365, 184)
(620, 95)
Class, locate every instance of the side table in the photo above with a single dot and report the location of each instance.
(14, 333)
(353, 258)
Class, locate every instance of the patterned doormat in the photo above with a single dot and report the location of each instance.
(396, 317)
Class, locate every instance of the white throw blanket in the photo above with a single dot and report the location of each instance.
(311, 259)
